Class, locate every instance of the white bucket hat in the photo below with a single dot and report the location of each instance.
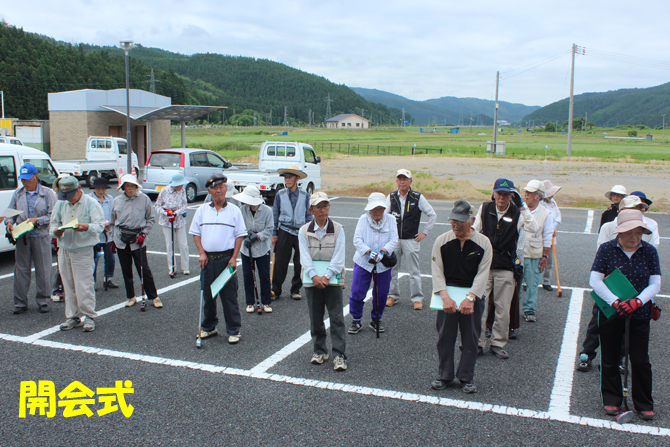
(250, 196)
(128, 178)
(617, 189)
(374, 200)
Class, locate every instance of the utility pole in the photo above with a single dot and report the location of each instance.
(309, 117)
(3, 115)
(470, 122)
(495, 117)
(270, 116)
(403, 117)
(586, 120)
(3, 105)
(284, 116)
(575, 49)
(328, 111)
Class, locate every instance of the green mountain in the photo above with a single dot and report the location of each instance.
(614, 108)
(448, 109)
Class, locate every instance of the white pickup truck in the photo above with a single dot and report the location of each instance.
(104, 157)
(276, 155)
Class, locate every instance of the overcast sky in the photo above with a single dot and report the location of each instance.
(417, 49)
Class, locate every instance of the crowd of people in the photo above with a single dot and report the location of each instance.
(480, 268)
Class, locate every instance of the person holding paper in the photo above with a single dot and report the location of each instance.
(638, 261)
(132, 221)
(322, 244)
(218, 231)
(502, 220)
(376, 236)
(75, 254)
(36, 203)
(461, 259)
(257, 246)
(105, 200)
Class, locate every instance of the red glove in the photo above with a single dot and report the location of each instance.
(627, 308)
(171, 218)
(140, 239)
(616, 304)
(112, 247)
(54, 242)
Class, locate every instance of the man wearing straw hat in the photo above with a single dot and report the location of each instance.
(550, 191)
(322, 239)
(257, 246)
(290, 212)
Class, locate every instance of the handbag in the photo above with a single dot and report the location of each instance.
(129, 235)
(389, 261)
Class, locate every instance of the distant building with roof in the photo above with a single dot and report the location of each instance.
(348, 121)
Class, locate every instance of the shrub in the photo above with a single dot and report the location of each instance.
(632, 133)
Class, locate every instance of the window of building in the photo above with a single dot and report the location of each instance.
(358, 124)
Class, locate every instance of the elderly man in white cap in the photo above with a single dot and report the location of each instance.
(550, 191)
(536, 247)
(257, 246)
(406, 205)
(616, 195)
(290, 211)
(171, 206)
(376, 237)
(322, 257)
(132, 221)
(75, 255)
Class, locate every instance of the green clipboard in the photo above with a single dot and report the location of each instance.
(619, 285)
(320, 267)
(221, 281)
(458, 294)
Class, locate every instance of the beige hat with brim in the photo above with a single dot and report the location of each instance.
(375, 200)
(629, 220)
(550, 189)
(292, 170)
(250, 196)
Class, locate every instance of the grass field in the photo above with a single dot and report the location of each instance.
(239, 144)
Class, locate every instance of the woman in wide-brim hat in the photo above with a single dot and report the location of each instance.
(257, 246)
(376, 233)
(100, 187)
(171, 207)
(639, 263)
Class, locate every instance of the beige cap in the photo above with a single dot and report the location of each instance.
(404, 172)
(317, 198)
(534, 186)
(632, 202)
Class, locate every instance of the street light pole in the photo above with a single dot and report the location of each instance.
(126, 45)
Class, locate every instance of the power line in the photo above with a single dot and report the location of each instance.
(633, 60)
(534, 65)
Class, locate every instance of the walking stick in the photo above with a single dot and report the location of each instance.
(272, 269)
(375, 297)
(143, 306)
(626, 415)
(253, 274)
(198, 341)
(105, 263)
(174, 265)
(559, 292)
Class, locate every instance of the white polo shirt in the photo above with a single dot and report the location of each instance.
(218, 229)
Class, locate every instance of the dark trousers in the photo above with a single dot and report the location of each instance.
(447, 331)
(109, 260)
(513, 309)
(139, 256)
(318, 300)
(228, 295)
(612, 332)
(591, 341)
(263, 267)
(286, 243)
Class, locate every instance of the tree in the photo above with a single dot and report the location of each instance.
(550, 127)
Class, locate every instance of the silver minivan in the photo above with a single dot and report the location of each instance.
(197, 165)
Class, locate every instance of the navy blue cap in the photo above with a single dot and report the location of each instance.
(27, 171)
(503, 185)
(642, 197)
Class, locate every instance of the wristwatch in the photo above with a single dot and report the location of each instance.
(471, 297)
(544, 256)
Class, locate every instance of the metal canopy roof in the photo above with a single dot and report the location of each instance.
(174, 113)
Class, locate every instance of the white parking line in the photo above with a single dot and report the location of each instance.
(9, 275)
(589, 222)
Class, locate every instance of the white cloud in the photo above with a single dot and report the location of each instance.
(421, 50)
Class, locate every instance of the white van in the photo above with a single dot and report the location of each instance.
(12, 157)
(10, 140)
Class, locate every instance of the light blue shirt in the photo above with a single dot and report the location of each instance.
(31, 198)
(337, 261)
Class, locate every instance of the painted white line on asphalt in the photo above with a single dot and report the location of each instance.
(9, 275)
(589, 222)
(164, 253)
(561, 393)
(356, 218)
(355, 389)
(296, 344)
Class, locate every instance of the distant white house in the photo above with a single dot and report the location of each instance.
(503, 123)
(348, 121)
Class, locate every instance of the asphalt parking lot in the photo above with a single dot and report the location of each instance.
(264, 390)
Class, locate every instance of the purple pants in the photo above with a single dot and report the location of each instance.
(359, 288)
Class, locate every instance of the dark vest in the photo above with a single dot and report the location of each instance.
(408, 226)
(502, 233)
(463, 264)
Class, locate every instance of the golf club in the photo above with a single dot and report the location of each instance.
(272, 269)
(198, 341)
(626, 415)
(253, 274)
(143, 306)
(174, 266)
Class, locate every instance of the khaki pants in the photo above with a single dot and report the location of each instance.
(502, 284)
(75, 270)
(407, 250)
(181, 243)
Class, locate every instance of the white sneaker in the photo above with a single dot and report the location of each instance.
(157, 303)
(131, 302)
(267, 309)
(250, 309)
(186, 272)
(318, 359)
(232, 339)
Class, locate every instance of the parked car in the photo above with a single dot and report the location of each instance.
(197, 165)
(105, 156)
(12, 157)
(10, 140)
(275, 155)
